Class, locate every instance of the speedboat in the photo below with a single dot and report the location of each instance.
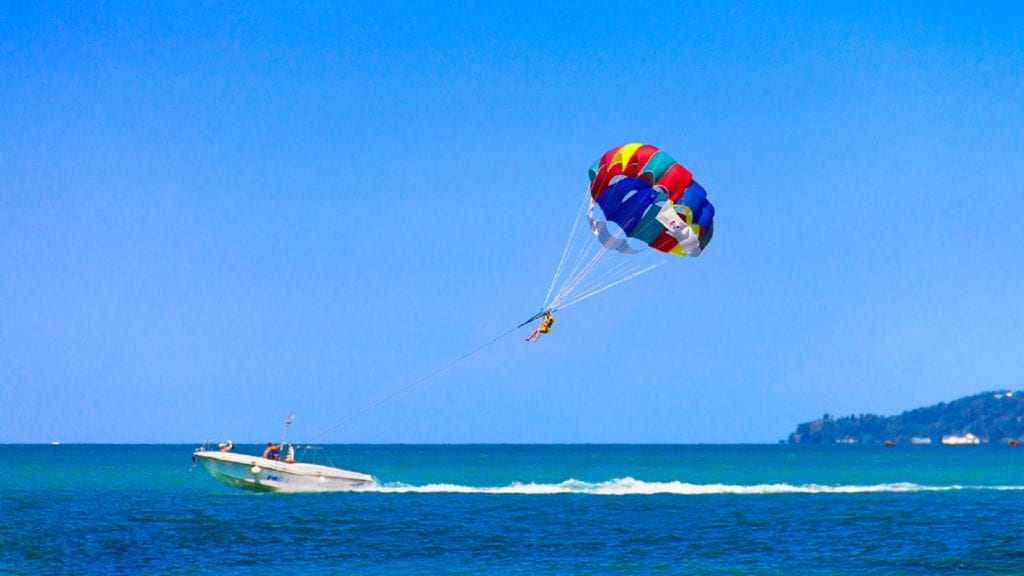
(266, 475)
(271, 473)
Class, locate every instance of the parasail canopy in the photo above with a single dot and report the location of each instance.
(640, 192)
(639, 198)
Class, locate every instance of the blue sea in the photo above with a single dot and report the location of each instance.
(524, 509)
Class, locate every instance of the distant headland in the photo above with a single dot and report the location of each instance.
(985, 417)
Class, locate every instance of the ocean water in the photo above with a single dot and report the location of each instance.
(514, 509)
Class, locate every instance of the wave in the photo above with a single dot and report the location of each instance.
(632, 486)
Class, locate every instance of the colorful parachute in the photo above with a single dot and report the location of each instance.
(640, 192)
(639, 197)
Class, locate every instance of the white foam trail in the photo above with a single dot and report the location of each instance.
(632, 486)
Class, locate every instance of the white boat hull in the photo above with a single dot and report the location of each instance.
(263, 475)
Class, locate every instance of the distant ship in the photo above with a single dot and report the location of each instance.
(957, 440)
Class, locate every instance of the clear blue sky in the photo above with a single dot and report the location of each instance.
(214, 214)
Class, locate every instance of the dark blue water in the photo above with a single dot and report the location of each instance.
(525, 510)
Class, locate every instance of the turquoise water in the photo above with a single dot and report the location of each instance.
(496, 509)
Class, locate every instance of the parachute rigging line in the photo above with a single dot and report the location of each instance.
(594, 267)
(596, 291)
(569, 244)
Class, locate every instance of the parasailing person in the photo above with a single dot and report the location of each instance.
(547, 319)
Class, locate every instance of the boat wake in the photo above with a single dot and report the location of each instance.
(632, 486)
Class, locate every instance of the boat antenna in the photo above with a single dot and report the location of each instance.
(287, 424)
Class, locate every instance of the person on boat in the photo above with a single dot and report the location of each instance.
(545, 326)
(290, 457)
(225, 446)
(272, 452)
